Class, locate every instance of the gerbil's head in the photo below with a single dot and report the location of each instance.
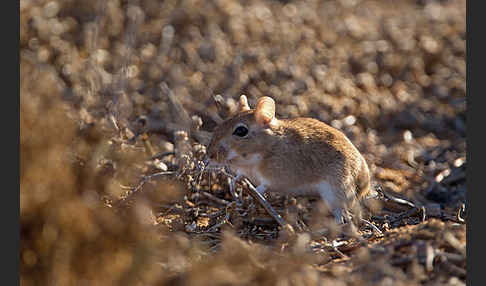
(241, 139)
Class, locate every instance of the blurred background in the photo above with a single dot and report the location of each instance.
(94, 121)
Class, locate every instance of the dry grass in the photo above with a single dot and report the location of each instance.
(94, 122)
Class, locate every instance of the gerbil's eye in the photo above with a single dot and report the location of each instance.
(241, 131)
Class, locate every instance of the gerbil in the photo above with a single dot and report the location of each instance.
(301, 156)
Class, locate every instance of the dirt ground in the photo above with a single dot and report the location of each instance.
(112, 186)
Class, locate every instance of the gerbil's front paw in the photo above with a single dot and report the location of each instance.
(337, 212)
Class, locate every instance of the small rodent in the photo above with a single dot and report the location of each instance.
(301, 156)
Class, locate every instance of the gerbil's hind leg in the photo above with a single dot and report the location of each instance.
(329, 196)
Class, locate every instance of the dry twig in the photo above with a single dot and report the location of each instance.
(140, 185)
(256, 195)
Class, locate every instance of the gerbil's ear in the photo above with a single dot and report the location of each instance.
(243, 104)
(223, 109)
(265, 110)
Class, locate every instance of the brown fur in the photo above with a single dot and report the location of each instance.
(295, 154)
